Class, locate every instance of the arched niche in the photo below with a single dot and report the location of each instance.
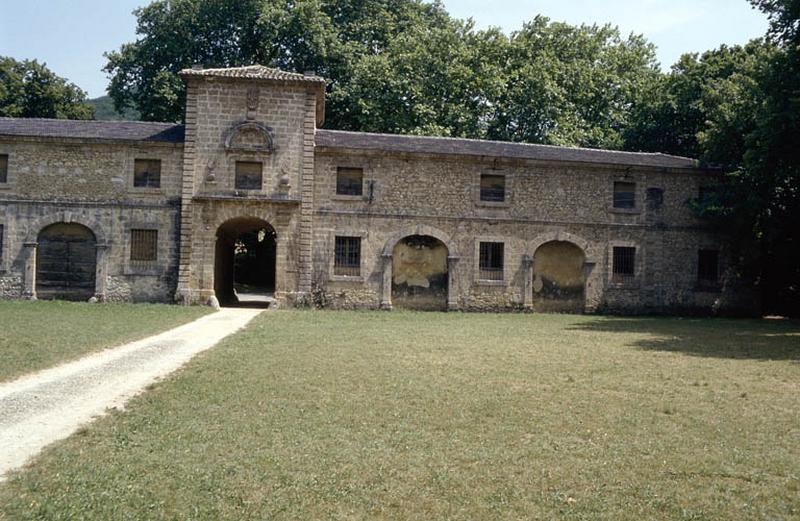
(249, 136)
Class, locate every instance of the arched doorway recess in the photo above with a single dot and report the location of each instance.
(244, 262)
(66, 262)
(559, 278)
(420, 273)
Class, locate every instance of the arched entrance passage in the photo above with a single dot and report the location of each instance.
(420, 273)
(66, 262)
(244, 263)
(558, 278)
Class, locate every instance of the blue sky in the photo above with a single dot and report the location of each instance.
(72, 35)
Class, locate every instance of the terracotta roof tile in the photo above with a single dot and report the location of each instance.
(254, 72)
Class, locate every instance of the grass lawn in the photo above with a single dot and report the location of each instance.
(374, 415)
(37, 335)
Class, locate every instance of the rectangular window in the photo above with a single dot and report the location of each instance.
(147, 173)
(144, 245)
(624, 264)
(708, 266)
(248, 175)
(493, 188)
(490, 262)
(3, 168)
(349, 181)
(624, 195)
(347, 258)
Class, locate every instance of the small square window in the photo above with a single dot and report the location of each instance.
(624, 195)
(493, 188)
(248, 175)
(708, 266)
(3, 168)
(624, 264)
(490, 262)
(144, 245)
(349, 181)
(347, 258)
(147, 173)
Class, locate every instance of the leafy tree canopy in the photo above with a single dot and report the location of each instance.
(28, 89)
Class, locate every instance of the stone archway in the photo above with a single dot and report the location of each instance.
(559, 278)
(245, 262)
(430, 236)
(66, 262)
(420, 273)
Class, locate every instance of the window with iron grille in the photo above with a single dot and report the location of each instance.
(708, 266)
(347, 258)
(144, 245)
(493, 188)
(490, 262)
(624, 264)
(248, 175)
(3, 168)
(349, 181)
(624, 194)
(147, 173)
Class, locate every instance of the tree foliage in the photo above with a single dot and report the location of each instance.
(28, 89)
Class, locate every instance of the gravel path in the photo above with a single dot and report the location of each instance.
(49, 405)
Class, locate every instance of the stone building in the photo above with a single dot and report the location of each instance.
(251, 197)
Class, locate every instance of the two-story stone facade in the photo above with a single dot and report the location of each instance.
(251, 196)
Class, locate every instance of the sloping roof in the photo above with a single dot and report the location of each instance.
(476, 147)
(254, 72)
(82, 129)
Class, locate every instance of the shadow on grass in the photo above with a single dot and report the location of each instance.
(707, 337)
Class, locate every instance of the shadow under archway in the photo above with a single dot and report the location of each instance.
(244, 263)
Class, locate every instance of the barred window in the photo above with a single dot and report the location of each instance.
(493, 188)
(248, 175)
(347, 258)
(624, 195)
(144, 245)
(624, 264)
(490, 262)
(3, 168)
(349, 181)
(147, 173)
(708, 266)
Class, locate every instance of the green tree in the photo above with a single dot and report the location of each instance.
(28, 89)
(572, 85)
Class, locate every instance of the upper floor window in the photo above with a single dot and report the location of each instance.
(490, 262)
(144, 245)
(493, 188)
(347, 257)
(3, 168)
(624, 194)
(248, 175)
(708, 266)
(624, 264)
(349, 181)
(147, 173)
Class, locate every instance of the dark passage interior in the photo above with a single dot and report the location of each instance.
(66, 262)
(244, 267)
(419, 273)
(558, 278)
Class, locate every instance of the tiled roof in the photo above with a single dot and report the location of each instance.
(83, 129)
(254, 72)
(475, 147)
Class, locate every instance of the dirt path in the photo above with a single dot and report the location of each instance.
(49, 405)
